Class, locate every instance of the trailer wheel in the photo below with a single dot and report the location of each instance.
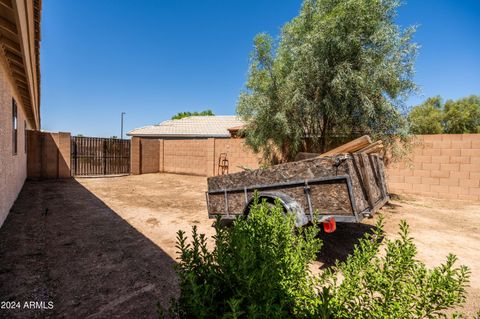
(269, 201)
(289, 205)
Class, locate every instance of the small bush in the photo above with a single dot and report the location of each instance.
(392, 284)
(259, 268)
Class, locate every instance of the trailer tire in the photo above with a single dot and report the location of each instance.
(289, 206)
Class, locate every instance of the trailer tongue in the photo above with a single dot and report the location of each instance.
(332, 187)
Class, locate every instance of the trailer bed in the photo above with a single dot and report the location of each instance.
(347, 187)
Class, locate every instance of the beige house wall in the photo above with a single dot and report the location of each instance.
(19, 80)
(13, 168)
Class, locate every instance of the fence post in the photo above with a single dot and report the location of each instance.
(104, 157)
(135, 162)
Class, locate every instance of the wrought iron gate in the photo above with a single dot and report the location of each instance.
(99, 156)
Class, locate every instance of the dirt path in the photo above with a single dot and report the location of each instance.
(105, 248)
(61, 243)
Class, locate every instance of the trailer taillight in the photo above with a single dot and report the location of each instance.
(330, 225)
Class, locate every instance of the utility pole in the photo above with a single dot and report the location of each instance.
(121, 129)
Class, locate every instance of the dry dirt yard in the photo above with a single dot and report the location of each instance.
(105, 247)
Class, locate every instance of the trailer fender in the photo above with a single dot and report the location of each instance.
(289, 204)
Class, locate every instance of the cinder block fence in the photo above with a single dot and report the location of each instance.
(440, 166)
(190, 156)
(48, 155)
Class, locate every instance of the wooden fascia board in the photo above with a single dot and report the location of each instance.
(26, 29)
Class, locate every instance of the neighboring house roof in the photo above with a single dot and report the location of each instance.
(192, 126)
(236, 128)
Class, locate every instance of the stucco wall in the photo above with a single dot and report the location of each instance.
(13, 168)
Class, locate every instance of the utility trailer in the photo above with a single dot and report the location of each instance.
(338, 188)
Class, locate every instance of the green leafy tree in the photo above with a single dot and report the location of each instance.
(427, 118)
(340, 69)
(463, 115)
(259, 268)
(182, 115)
(453, 117)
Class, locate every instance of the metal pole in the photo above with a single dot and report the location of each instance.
(121, 130)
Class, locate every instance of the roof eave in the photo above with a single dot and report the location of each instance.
(178, 135)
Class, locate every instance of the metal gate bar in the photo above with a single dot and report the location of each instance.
(99, 156)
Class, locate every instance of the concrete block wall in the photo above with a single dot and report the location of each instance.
(150, 154)
(48, 155)
(135, 160)
(189, 156)
(238, 155)
(440, 166)
(185, 156)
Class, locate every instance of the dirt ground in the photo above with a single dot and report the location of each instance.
(105, 247)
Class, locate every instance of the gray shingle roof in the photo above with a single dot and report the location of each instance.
(192, 126)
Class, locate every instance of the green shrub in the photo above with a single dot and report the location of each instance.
(259, 268)
(392, 284)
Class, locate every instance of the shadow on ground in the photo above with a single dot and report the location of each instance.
(61, 243)
(341, 243)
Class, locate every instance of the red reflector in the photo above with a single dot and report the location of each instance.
(330, 225)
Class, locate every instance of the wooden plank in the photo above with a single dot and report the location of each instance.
(304, 155)
(7, 25)
(367, 182)
(350, 147)
(7, 3)
(373, 150)
(13, 57)
(368, 147)
(11, 45)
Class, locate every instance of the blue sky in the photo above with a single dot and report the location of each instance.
(152, 59)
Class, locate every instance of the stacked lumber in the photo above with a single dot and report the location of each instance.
(357, 146)
(373, 148)
(361, 145)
